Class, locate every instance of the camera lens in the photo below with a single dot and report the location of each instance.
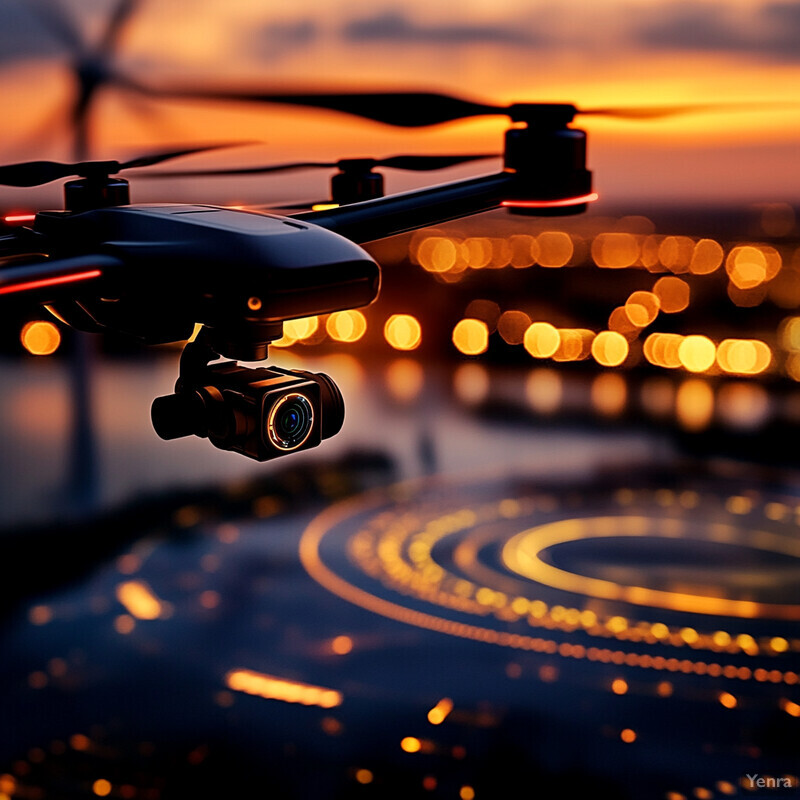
(290, 420)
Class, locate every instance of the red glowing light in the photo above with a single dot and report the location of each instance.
(569, 201)
(16, 219)
(55, 281)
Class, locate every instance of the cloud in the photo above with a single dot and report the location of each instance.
(278, 39)
(771, 30)
(395, 26)
(25, 34)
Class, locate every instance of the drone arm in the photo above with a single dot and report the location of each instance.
(408, 211)
(45, 281)
(13, 245)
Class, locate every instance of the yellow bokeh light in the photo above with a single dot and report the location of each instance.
(501, 253)
(346, 326)
(477, 252)
(404, 379)
(403, 332)
(438, 714)
(124, 624)
(672, 294)
(746, 266)
(620, 322)
(609, 394)
(689, 635)
(661, 349)
(466, 793)
(789, 333)
(139, 600)
(541, 339)
(707, 257)
(341, 645)
(721, 638)
(784, 290)
(790, 707)
(659, 630)
(619, 686)
(471, 383)
(697, 353)
(675, 253)
(779, 644)
(649, 253)
(793, 366)
(694, 404)
(270, 687)
(610, 348)
(437, 254)
(101, 787)
(615, 250)
(555, 248)
(486, 310)
(658, 396)
(628, 735)
(617, 624)
(524, 250)
(40, 338)
(743, 356)
(301, 328)
(410, 744)
(747, 298)
(727, 700)
(544, 390)
(575, 344)
(471, 336)
(747, 643)
(284, 341)
(40, 615)
(512, 326)
(642, 308)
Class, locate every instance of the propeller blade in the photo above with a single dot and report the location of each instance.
(119, 20)
(55, 20)
(412, 162)
(159, 158)
(404, 109)
(37, 173)
(420, 109)
(660, 112)
(425, 163)
(198, 173)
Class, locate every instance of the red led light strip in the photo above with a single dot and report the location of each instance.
(12, 219)
(42, 283)
(569, 201)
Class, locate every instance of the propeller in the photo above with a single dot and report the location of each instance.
(92, 64)
(419, 163)
(37, 173)
(420, 109)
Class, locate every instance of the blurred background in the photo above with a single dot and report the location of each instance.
(181, 621)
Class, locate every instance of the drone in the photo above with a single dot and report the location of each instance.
(155, 271)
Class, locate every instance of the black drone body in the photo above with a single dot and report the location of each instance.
(157, 271)
(238, 273)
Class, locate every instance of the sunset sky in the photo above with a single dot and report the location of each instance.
(617, 52)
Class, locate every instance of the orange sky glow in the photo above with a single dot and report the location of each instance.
(619, 52)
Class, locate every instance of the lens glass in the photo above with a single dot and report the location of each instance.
(289, 421)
